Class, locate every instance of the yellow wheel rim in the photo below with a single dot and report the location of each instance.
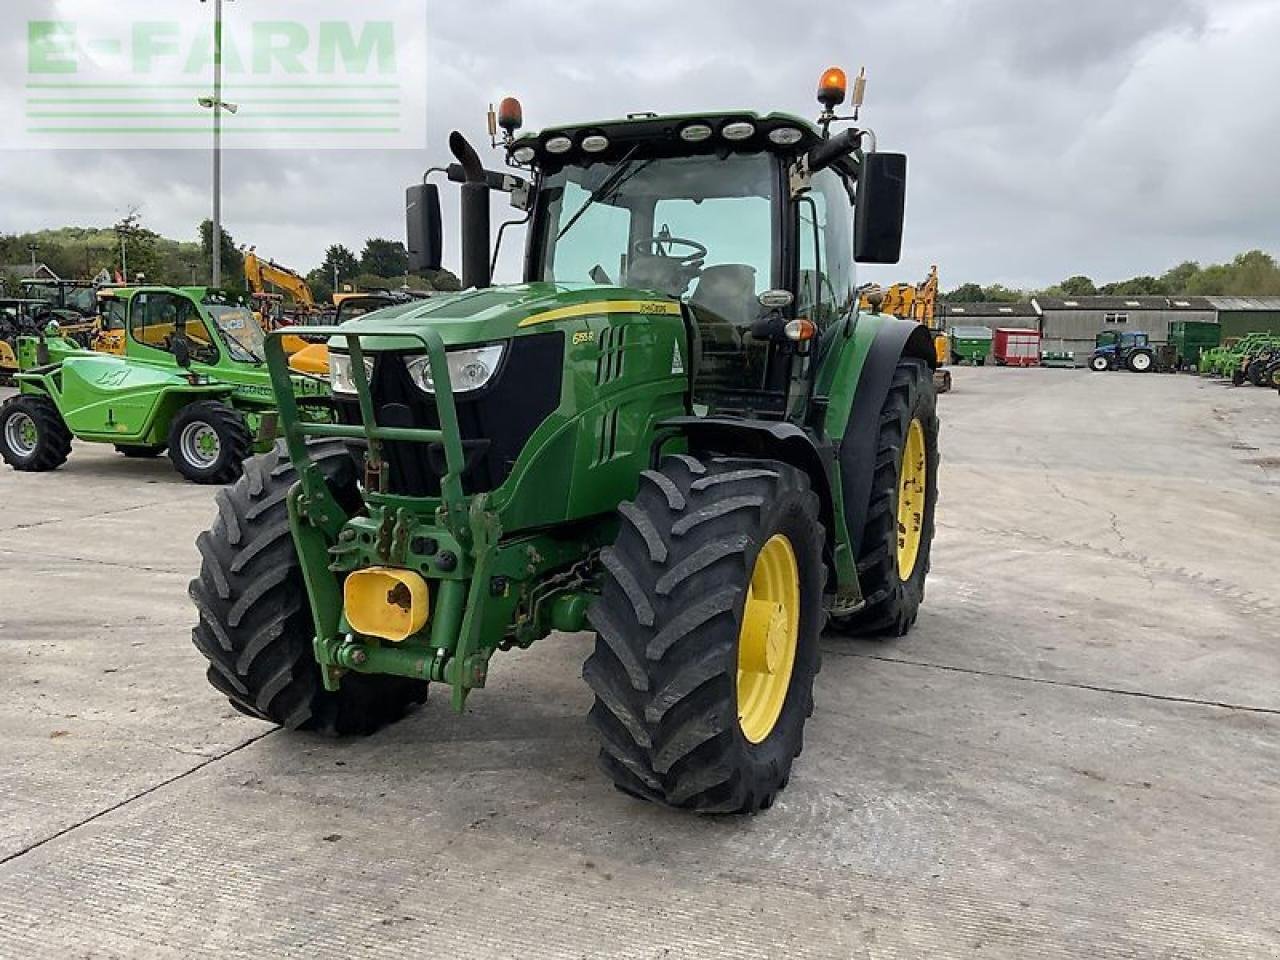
(768, 638)
(912, 482)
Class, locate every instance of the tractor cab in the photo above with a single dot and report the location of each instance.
(19, 318)
(72, 303)
(76, 296)
(1122, 349)
(743, 223)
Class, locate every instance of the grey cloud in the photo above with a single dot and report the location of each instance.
(1046, 138)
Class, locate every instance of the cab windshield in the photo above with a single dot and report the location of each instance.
(700, 229)
(243, 335)
(690, 227)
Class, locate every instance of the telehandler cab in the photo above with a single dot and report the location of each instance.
(677, 432)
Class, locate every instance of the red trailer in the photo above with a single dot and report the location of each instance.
(1016, 347)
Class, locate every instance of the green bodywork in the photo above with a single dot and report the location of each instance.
(971, 345)
(1191, 338)
(508, 567)
(132, 399)
(1231, 359)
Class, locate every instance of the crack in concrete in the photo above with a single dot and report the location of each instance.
(141, 568)
(94, 516)
(1092, 687)
(128, 800)
(1245, 601)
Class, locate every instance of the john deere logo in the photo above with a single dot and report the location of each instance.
(119, 75)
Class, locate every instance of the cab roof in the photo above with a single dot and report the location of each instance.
(665, 135)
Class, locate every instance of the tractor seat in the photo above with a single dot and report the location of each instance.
(726, 305)
(665, 274)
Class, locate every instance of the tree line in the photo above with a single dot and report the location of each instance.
(130, 249)
(1254, 273)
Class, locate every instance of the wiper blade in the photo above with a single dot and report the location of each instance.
(611, 183)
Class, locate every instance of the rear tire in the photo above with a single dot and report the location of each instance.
(893, 600)
(665, 671)
(141, 452)
(33, 437)
(209, 442)
(255, 626)
(1140, 362)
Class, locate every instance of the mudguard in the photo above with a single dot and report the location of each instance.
(893, 340)
(762, 439)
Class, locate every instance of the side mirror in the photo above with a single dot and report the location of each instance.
(880, 208)
(178, 345)
(181, 351)
(423, 224)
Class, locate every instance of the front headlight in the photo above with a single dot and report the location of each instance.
(468, 369)
(341, 379)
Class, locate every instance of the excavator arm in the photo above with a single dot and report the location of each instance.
(259, 273)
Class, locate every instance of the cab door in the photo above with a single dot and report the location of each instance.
(155, 316)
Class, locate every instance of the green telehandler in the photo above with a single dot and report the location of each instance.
(192, 380)
(677, 432)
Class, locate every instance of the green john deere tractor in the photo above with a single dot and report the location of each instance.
(677, 433)
(192, 380)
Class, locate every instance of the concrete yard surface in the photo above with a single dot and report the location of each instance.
(1075, 754)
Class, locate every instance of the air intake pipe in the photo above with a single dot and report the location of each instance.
(475, 215)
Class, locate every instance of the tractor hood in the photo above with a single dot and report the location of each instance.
(499, 313)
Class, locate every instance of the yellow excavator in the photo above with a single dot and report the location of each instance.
(918, 302)
(269, 306)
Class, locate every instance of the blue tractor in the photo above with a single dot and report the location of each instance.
(1123, 349)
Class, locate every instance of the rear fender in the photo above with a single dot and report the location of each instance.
(877, 353)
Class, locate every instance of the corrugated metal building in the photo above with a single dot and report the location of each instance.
(1073, 323)
(993, 315)
(1241, 315)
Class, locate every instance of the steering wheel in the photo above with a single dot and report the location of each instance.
(653, 247)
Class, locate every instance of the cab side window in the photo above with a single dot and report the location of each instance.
(154, 319)
(826, 289)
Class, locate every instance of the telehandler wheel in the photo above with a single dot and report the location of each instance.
(141, 452)
(255, 624)
(33, 437)
(707, 634)
(897, 534)
(209, 442)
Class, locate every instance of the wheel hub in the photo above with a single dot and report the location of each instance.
(21, 434)
(199, 444)
(768, 638)
(912, 483)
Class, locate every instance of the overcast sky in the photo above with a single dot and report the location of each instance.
(1046, 137)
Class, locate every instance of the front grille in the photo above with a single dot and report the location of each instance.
(496, 422)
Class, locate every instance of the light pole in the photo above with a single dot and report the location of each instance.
(216, 104)
(32, 247)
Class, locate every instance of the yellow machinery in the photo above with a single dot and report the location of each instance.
(269, 306)
(917, 302)
(108, 331)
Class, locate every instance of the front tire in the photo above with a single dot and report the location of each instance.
(707, 634)
(897, 533)
(33, 436)
(1099, 364)
(209, 442)
(255, 625)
